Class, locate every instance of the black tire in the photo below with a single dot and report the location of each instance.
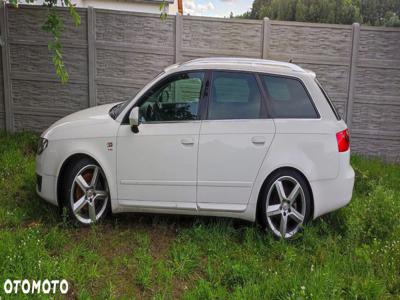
(282, 210)
(95, 199)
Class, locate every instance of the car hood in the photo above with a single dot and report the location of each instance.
(90, 122)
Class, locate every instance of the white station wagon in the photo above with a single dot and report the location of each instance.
(242, 138)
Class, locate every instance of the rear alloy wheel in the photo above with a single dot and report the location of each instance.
(286, 206)
(88, 193)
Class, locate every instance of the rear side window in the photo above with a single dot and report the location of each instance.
(329, 101)
(288, 98)
(234, 96)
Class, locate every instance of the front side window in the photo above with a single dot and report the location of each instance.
(176, 99)
(234, 96)
(288, 98)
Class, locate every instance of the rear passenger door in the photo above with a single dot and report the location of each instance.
(234, 138)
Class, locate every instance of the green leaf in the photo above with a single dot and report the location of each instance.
(55, 26)
(163, 14)
(14, 3)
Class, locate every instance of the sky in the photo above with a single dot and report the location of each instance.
(215, 8)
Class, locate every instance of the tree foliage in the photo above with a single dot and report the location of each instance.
(370, 12)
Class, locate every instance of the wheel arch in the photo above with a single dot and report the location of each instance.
(264, 186)
(64, 167)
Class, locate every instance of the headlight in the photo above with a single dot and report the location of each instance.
(42, 145)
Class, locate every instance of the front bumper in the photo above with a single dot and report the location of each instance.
(47, 188)
(330, 195)
(46, 184)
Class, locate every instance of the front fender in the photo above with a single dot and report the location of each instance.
(98, 149)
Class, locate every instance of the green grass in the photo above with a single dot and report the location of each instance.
(353, 253)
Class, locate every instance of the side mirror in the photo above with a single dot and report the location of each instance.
(134, 119)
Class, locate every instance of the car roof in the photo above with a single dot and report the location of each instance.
(240, 63)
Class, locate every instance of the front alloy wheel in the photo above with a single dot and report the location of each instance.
(87, 194)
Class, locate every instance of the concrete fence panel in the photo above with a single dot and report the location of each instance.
(113, 54)
(216, 37)
(376, 112)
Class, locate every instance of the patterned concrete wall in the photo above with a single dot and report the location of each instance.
(37, 96)
(113, 54)
(325, 49)
(376, 112)
(131, 49)
(215, 37)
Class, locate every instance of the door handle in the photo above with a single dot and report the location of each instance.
(258, 140)
(187, 142)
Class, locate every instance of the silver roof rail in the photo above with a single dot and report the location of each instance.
(245, 61)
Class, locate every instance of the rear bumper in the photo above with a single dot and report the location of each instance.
(330, 195)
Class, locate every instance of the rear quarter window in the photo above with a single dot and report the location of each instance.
(332, 106)
(288, 98)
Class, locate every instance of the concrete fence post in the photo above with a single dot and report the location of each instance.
(91, 38)
(178, 37)
(266, 31)
(5, 54)
(353, 73)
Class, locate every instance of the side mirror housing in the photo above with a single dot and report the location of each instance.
(134, 119)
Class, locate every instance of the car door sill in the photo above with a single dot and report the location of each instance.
(159, 204)
(184, 205)
(157, 182)
(222, 207)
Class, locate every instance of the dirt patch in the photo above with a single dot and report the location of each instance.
(160, 242)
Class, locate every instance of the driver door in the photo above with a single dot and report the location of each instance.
(157, 167)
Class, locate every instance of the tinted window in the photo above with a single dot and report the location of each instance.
(234, 96)
(288, 98)
(176, 99)
(334, 110)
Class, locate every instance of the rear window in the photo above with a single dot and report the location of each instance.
(288, 98)
(334, 110)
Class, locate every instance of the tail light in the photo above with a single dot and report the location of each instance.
(343, 140)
